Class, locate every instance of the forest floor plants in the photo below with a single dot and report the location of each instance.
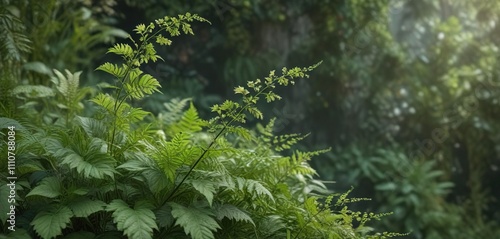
(125, 172)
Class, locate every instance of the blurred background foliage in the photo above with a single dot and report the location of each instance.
(408, 92)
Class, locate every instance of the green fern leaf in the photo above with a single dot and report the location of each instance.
(125, 113)
(68, 86)
(196, 222)
(254, 187)
(175, 108)
(140, 84)
(49, 187)
(205, 187)
(239, 131)
(189, 123)
(13, 43)
(83, 207)
(92, 127)
(271, 227)
(137, 222)
(122, 49)
(49, 224)
(255, 112)
(132, 114)
(232, 212)
(105, 101)
(113, 69)
(173, 154)
(91, 161)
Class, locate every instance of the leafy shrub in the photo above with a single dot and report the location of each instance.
(126, 172)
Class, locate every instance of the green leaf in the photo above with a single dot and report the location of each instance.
(173, 154)
(67, 85)
(174, 110)
(140, 84)
(33, 91)
(137, 222)
(49, 224)
(196, 222)
(92, 127)
(205, 187)
(49, 187)
(164, 216)
(93, 163)
(122, 49)
(232, 212)
(254, 187)
(38, 67)
(190, 122)
(155, 179)
(83, 207)
(113, 69)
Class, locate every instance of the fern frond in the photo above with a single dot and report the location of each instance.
(240, 132)
(125, 114)
(122, 49)
(255, 188)
(190, 122)
(140, 84)
(137, 222)
(174, 110)
(232, 212)
(114, 69)
(13, 41)
(280, 142)
(197, 222)
(205, 187)
(172, 154)
(93, 128)
(67, 86)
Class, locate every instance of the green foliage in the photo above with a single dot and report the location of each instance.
(132, 82)
(49, 223)
(13, 41)
(394, 73)
(120, 171)
(136, 222)
(197, 222)
(414, 189)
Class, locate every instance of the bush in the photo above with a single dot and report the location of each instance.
(124, 172)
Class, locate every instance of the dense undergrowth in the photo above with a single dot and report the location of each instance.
(105, 168)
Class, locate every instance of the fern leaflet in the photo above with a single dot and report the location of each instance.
(232, 212)
(137, 222)
(197, 222)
